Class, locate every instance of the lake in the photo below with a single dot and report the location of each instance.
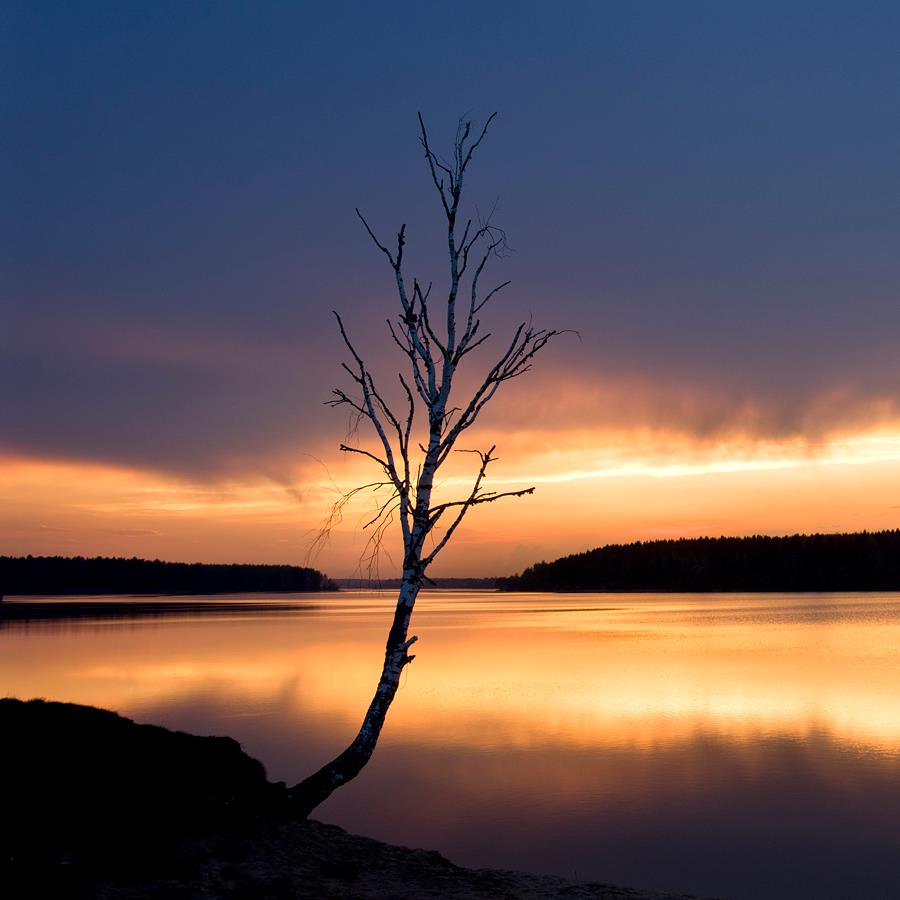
(733, 745)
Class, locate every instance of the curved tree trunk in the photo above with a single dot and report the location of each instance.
(309, 793)
(434, 360)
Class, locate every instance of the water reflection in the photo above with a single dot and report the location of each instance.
(25, 613)
(738, 745)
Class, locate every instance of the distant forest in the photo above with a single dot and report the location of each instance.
(112, 575)
(867, 561)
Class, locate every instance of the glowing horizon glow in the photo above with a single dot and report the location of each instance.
(846, 451)
(615, 488)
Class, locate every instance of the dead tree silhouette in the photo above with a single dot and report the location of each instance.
(435, 343)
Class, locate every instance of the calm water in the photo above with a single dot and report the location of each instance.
(743, 746)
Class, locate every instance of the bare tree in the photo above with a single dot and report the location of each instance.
(435, 342)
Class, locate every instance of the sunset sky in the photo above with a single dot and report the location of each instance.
(709, 193)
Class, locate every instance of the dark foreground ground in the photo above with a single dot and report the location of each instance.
(280, 860)
(95, 806)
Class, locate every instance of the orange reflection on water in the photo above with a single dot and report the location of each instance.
(514, 671)
(715, 746)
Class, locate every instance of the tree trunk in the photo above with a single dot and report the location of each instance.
(314, 790)
(428, 387)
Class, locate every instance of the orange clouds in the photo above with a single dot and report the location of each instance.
(592, 488)
(703, 410)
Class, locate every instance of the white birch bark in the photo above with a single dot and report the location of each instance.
(433, 360)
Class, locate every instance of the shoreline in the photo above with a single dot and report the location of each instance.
(98, 806)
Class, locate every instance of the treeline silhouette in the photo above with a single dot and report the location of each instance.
(865, 561)
(114, 575)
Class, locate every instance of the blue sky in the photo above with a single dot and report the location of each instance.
(709, 193)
